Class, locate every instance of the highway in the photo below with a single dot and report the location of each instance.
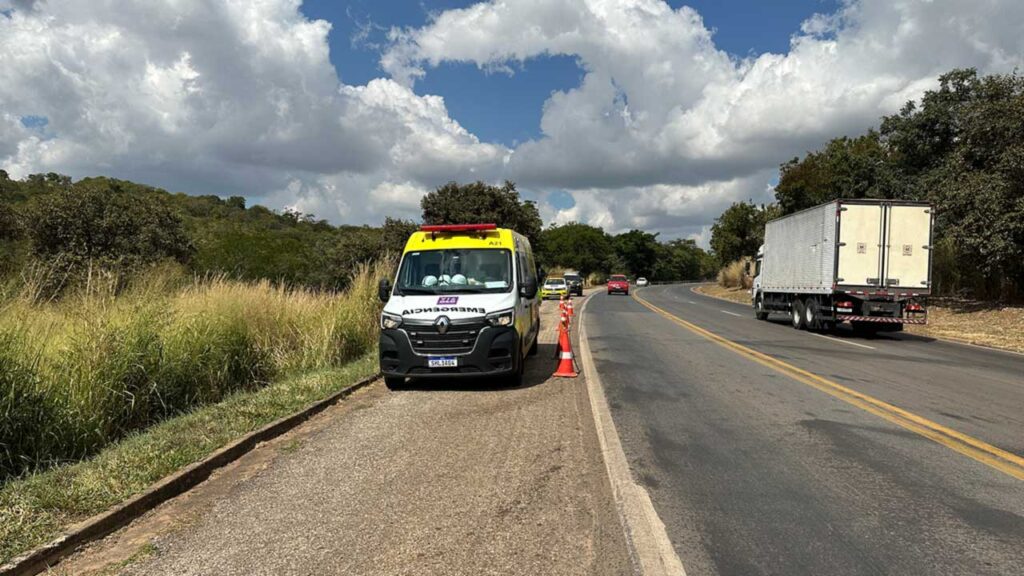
(767, 450)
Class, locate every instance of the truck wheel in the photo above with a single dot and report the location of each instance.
(811, 318)
(759, 311)
(797, 314)
(394, 382)
(533, 347)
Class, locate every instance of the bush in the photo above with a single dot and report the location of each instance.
(100, 225)
(735, 276)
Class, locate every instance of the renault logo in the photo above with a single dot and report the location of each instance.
(442, 324)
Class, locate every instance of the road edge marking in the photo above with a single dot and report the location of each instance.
(978, 450)
(648, 542)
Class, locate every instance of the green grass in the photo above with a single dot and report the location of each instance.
(36, 508)
(79, 373)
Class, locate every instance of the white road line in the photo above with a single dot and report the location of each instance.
(842, 341)
(649, 544)
(690, 302)
(731, 313)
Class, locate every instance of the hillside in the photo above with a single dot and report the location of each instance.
(217, 236)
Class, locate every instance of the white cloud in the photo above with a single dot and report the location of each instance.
(233, 96)
(662, 110)
(239, 96)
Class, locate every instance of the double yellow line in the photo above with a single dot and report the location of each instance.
(1001, 460)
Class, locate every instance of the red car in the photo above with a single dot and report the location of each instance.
(618, 284)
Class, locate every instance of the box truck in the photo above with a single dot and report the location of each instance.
(866, 262)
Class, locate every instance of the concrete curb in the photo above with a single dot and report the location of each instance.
(98, 526)
(649, 545)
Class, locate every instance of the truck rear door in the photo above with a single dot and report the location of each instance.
(908, 239)
(860, 240)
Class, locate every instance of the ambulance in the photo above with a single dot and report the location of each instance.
(463, 304)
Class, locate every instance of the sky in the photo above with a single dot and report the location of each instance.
(619, 113)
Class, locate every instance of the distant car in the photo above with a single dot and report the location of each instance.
(575, 283)
(554, 288)
(618, 284)
(641, 282)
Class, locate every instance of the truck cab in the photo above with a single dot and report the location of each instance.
(463, 304)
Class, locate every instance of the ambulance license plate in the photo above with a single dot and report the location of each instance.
(442, 362)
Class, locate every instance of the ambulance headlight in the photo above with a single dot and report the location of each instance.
(390, 321)
(503, 318)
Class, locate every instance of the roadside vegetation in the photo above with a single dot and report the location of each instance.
(82, 371)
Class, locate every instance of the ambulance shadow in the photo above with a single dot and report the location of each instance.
(539, 369)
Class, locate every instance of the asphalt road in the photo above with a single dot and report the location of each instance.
(465, 478)
(755, 472)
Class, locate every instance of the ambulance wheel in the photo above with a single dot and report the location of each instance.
(515, 379)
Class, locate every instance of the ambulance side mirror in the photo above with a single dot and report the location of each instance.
(528, 289)
(384, 290)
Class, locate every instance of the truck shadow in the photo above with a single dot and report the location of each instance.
(846, 332)
(538, 370)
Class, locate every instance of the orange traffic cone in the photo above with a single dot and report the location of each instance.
(571, 311)
(566, 365)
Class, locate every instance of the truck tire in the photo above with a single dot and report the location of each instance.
(533, 347)
(394, 382)
(759, 311)
(796, 314)
(812, 317)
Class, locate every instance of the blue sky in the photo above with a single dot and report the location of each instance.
(507, 109)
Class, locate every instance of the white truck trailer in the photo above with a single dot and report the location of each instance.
(867, 262)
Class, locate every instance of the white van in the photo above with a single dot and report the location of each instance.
(463, 304)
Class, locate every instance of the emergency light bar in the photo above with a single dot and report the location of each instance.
(457, 227)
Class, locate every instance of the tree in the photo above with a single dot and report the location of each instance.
(101, 223)
(395, 234)
(682, 259)
(638, 250)
(858, 167)
(480, 203)
(581, 247)
(738, 232)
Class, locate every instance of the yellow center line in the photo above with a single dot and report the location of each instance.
(1001, 460)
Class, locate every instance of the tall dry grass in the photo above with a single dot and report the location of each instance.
(734, 275)
(80, 372)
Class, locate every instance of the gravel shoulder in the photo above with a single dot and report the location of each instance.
(464, 479)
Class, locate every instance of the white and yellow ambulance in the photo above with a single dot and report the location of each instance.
(463, 304)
